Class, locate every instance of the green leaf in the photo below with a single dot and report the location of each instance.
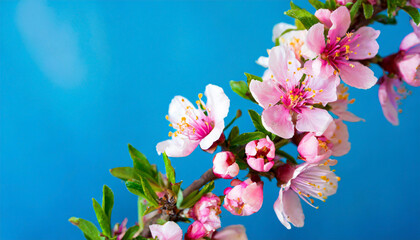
(256, 120)
(381, 18)
(189, 197)
(191, 201)
(355, 8)
(149, 210)
(367, 10)
(299, 26)
(141, 208)
(141, 189)
(233, 133)
(102, 218)
(139, 160)
(107, 201)
(126, 173)
(392, 7)
(245, 138)
(242, 165)
(349, 4)
(317, 4)
(305, 17)
(330, 4)
(286, 155)
(241, 88)
(148, 190)
(89, 229)
(413, 12)
(250, 77)
(131, 232)
(170, 171)
(180, 198)
(281, 143)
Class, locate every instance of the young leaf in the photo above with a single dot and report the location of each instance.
(148, 191)
(305, 17)
(138, 189)
(233, 133)
(317, 4)
(381, 18)
(180, 198)
(131, 232)
(244, 138)
(107, 201)
(89, 229)
(126, 173)
(141, 208)
(367, 10)
(189, 202)
(413, 12)
(256, 120)
(241, 88)
(170, 171)
(250, 77)
(330, 4)
(139, 160)
(102, 218)
(355, 8)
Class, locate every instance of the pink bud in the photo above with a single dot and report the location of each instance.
(168, 231)
(244, 199)
(260, 154)
(207, 211)
(284, 173)
(224, 165)
(196, 231)
(233, 232)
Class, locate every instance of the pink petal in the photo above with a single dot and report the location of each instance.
(409, 41)
(289, 209)
(308, 146)
(358, 76)
(266, 93)
(217, 102)
(213, 136)
(169, 231)
(177, 108)
(340, 19)
(313, 120)
(315, 39)
(366, 45)
(277, 119)
(324, 16)
(387, 96)
(253, 196)
(233, 232)
(408, 68)
(177, 147)
(257, 164)
(282, 62)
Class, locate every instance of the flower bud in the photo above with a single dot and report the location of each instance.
(169, 231)
(207, 211)
(260, 154)
(224, 165)
(196, 231)
(245, 198)
(233, 232)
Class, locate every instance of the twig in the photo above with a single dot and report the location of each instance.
(203, 180)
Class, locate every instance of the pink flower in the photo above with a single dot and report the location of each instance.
(196, 231)
(224, 165)
(287, 102)
(408, 58)
(414, 3)
(233, 232)
(195, 126)
(207, 211)
(344, 2)
(335, 54)
(120, 229)
(389, 98)
(308, 180)
(245, 198)
(169, 231)
(340, 106)
(260, 154)
(334, 141)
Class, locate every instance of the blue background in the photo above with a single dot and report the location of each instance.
(80, 80)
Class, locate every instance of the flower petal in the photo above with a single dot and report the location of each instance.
(277, 119)
(213, 136)
(315, 40)
(279, 29)
(366, 45)
(313, 120)
(177, 146)
(283, 63)
(324, 16)
(289, 209)
(387, 96)
(266, 93)
(340, 19)
(217, 102)
(357, 75)
(177, 108)
(408, 68)
(409, 41)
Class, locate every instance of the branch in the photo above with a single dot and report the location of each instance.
(203, 180)
(360, 20)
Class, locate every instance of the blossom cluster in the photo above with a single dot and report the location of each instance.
(303, 97)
